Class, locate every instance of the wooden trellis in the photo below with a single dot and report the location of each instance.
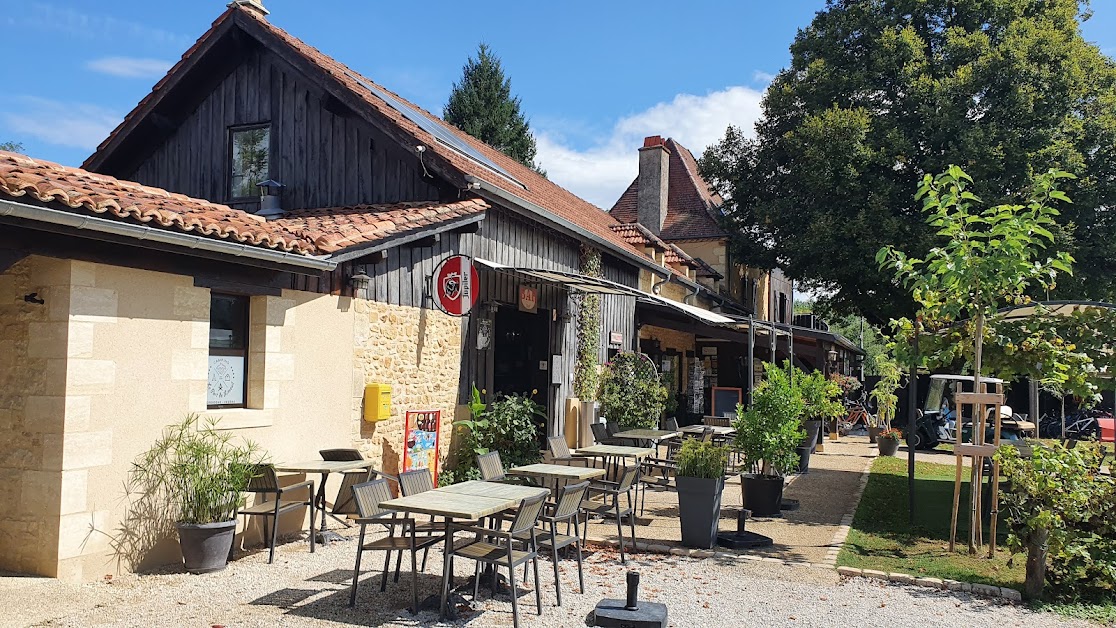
(977, 450)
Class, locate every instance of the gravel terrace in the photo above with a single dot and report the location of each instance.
(303, 589)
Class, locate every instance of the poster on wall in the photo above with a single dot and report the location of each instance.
(226, 380)
(420, 441)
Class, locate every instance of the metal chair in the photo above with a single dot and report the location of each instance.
(368, 497)
(566, 510)
(560, 452)
(340, 455)
(414, 482)
(497, 548)
(610, 503)
(600, 434)
(613, 428)
(718, 421)
(265, 483)
(491, 468)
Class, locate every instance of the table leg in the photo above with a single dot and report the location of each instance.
(447, 573)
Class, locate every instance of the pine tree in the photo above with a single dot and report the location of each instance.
(481, 104)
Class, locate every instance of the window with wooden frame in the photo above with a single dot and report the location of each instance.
(228, 351)
(249, 159)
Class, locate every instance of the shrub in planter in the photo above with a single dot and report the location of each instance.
(888, 441)
(768, 435)
(508, 425)
(883, 393)
(821, 396)
(631, 392)
(195, 475)
(700, 479)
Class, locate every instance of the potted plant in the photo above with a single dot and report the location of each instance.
(767, 435)
(631, 391)
(883, 393)
(888, 441)
(820, 395)
(197, 474)
(700, 478)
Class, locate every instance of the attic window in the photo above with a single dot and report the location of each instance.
(249, 159)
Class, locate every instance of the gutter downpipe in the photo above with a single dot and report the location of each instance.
(144, 233)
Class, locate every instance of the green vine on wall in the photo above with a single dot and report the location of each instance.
(586, 374)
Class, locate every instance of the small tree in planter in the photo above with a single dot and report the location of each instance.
(821, 397)
(195, 475)
(700, 478)
(767, 435)
(631, 392)
(888, 441)
(891, 377)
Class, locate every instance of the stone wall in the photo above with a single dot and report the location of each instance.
(418, 352)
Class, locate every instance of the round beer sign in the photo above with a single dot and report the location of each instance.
(456, 286)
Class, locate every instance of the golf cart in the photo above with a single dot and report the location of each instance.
(938, 421)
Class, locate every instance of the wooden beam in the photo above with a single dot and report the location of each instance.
(427, 241)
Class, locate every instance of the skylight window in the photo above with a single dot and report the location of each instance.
(437, 129)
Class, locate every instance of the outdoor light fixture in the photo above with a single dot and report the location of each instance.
(832, 356)
(360, 282)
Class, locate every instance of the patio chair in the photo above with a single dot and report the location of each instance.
(567, 509)
(344, 505)
(600, 434)
(674, 442)
(609, 504)
(369, 496)
(718, 421)
(265, 483)
(340, 455)
(497, 548)
(560, 452)
(657, 472)
(613, 428)
(491, 468)
(414, 482)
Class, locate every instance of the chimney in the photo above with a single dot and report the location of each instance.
(270, 205)
(654, 174)
(251, 6)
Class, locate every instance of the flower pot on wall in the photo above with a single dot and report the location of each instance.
(206, 546)
(699, 510)
(763, 494)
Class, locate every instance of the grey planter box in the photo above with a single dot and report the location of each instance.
(699, 510)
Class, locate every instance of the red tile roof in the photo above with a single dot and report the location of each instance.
(675, 255)
(22, 176)
(337, 228)
(691, 203)
(638, 235)
(308, 232)
(540, 191)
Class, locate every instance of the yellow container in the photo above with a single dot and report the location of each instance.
(377, 402)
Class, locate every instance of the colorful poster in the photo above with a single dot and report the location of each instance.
(420, 446)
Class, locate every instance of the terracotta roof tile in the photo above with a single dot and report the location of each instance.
(705, 270)
(540, 191)
(77, 189)
(691, 203)
(675, 255)
(336, 228)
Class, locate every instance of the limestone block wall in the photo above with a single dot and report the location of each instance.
(418, 352)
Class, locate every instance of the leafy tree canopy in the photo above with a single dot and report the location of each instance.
(879, 94)
(14, 147)
(481, 104)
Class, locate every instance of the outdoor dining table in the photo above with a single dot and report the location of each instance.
(557, 472)
(655, 436)
(472, 500)
(611, 452)
(718, 430)
(324, 467)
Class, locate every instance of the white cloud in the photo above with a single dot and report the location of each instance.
(79, 125)
(762, 77)
(45, 16)
(130, 67)
(601, 172)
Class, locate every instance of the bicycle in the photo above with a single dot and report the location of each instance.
(858, 413)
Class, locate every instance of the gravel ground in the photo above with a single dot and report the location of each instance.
(303, 589)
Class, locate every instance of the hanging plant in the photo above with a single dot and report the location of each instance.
(586, 374)
(631, 392)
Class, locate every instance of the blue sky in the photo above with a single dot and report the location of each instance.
(594, 77)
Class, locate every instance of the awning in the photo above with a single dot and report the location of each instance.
(596, 285)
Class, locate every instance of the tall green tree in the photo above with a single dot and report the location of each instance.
(882, 92)
(482, 105)
(14, 147)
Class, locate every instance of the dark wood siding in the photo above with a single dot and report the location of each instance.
(323, 153)
(618, 313)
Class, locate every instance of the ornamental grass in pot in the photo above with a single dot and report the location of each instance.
(196, 475)
(768, 435)
(700, 479)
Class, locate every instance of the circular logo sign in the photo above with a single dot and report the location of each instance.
(456, 286)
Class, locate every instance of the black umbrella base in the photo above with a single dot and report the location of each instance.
(789, 505)
(456, 605)
(614, 613)
(744, 540)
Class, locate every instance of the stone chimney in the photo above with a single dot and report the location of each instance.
(654, 177)
(252, 6)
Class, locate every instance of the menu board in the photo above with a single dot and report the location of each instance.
(420, 446)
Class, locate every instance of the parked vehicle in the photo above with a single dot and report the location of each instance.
(938, 421)
(1080, 424)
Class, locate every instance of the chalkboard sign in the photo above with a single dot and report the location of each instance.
(725, 400)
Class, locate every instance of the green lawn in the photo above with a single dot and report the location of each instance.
(882, 538)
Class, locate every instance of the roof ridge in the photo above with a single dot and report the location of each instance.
(700, 184)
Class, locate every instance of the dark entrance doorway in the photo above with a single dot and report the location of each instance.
(521, 356)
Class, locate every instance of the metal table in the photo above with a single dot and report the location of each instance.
(557, 473)
(718, 430)
(324, 467)
(468, 500)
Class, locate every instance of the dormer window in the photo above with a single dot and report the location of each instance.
(249, 159)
